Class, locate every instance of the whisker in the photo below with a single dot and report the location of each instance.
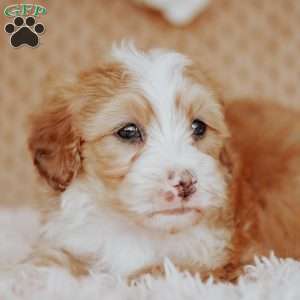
(212, 192)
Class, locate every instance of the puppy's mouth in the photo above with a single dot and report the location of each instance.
(174, 220)
(175, 211)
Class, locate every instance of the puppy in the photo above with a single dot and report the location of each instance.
(139, 154)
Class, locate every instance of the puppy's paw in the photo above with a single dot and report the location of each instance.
(155, 271)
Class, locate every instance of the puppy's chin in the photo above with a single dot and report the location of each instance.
(173, 221)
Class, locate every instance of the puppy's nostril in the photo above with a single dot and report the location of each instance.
(171, 175)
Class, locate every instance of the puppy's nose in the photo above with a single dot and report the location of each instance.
(184, 183)
(185, 190)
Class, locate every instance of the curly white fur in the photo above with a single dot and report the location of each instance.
(269, 278)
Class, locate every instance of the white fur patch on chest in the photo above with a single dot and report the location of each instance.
(119, 247)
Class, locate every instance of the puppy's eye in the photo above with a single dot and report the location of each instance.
(130, 132)
(199, 128)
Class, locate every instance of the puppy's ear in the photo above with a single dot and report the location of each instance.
(226, 157)
(55, 143)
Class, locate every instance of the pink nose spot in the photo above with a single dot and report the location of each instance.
(169, 196)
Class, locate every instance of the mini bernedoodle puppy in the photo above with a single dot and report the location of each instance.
(148, 163)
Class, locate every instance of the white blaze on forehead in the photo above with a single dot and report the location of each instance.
(158, 73)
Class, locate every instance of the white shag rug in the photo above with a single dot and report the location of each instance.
(269, 278)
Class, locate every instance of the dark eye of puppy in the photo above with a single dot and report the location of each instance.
(199, 128)
(130, 132)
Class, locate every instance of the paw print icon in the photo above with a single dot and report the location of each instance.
(24, 32)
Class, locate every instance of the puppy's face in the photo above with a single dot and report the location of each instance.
(148, 130)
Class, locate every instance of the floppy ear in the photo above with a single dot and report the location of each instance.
(55, 144)
(229, 156)
(226, 158)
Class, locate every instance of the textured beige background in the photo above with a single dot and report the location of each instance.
(252, 47)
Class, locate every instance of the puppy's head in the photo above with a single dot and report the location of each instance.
(147, 128)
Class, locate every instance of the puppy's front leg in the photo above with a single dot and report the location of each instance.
(47, 257)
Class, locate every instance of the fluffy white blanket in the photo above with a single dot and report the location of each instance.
(269, 278)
